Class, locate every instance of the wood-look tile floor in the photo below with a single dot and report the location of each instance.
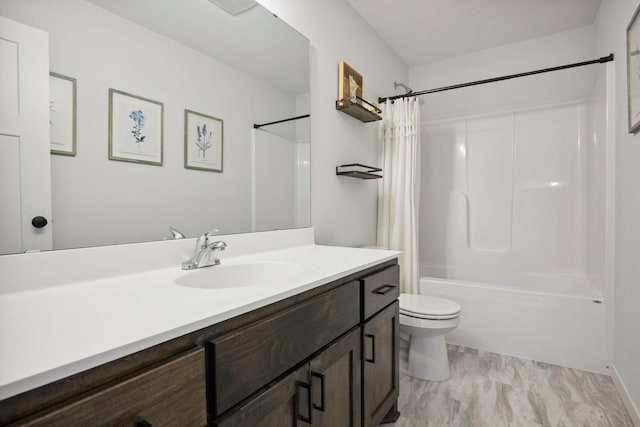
(492, 390)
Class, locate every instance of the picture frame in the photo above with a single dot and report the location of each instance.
(135, 128)
(62, 114)
(633, 72)
(203, 141)
(349, 82)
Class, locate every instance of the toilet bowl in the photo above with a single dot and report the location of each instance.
(427, 319)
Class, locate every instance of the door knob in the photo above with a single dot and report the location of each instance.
(39, 221)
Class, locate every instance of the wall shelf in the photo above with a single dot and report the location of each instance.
(359, 108)
(357, 170)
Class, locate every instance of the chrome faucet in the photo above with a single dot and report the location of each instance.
(204, 248)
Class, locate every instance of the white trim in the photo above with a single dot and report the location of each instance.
(626, 398)
(610, 209)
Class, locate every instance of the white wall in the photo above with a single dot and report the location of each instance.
(611, 22)
(549, 51)
(343, 210)
(96, 200)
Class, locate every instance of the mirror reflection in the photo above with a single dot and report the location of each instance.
(191, 55)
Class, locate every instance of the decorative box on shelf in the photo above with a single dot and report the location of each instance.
(357, 170)
(359, 108)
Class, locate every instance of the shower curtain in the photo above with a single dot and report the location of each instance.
(399, 191)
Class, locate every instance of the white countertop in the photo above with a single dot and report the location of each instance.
(49, 333)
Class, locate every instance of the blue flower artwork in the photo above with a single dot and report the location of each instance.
(135, 128)
(138, 123)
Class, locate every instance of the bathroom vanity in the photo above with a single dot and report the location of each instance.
(319, 348)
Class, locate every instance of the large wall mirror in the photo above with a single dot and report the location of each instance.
(235, 70)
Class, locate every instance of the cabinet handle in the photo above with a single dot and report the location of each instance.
(143, 423)
(373, 348)
(314, 376)
(384, 289)
(300, 401)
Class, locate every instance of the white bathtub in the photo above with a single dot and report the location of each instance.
(553, 320)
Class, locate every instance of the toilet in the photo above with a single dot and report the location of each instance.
(427, 319)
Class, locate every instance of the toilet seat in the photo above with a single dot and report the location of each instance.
(428, 307)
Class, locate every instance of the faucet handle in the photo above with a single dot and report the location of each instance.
(218, 246)
(175, 234)
(205, 238)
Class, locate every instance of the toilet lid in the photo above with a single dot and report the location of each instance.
(428, 307)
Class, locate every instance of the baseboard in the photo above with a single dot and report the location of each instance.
(624, 394)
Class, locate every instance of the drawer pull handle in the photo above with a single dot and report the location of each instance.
(304, 403)
(143, 423)
(384, 289)
(372, 359)
(314, 376)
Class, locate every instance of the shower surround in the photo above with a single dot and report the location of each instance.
(513, 225)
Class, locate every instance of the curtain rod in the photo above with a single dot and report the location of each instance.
(257, 126)
(602, 60)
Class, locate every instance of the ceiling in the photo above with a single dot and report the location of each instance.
(255, 41)
(421, 31)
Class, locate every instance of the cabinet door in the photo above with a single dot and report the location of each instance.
(335, 383)
(283, 404)
(380, 364)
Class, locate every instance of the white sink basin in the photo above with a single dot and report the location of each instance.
(226, 276)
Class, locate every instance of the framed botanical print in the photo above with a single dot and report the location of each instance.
(202, 142)
(633, 72)
(62, 114)
(135, 128)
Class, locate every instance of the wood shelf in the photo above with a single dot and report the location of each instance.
(357, 170)
(359, 108)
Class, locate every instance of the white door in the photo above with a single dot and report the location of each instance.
(25, 187)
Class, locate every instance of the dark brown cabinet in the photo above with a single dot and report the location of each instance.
(380, 346)
(171, 394)
(380, 366)
(325, 357)
(323, 392)
(275, 405)
(245, 360)
(335, 379)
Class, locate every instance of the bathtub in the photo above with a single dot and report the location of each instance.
(559, 320)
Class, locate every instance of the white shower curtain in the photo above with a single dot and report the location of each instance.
(399, 191)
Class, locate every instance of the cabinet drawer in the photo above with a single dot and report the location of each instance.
(171, 394)
(379, 290)
(244, 361)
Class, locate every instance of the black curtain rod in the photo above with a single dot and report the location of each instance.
(257, 126)
(602, 60)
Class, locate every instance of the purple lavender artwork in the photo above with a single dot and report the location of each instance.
(138, 123)
(204, 141)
